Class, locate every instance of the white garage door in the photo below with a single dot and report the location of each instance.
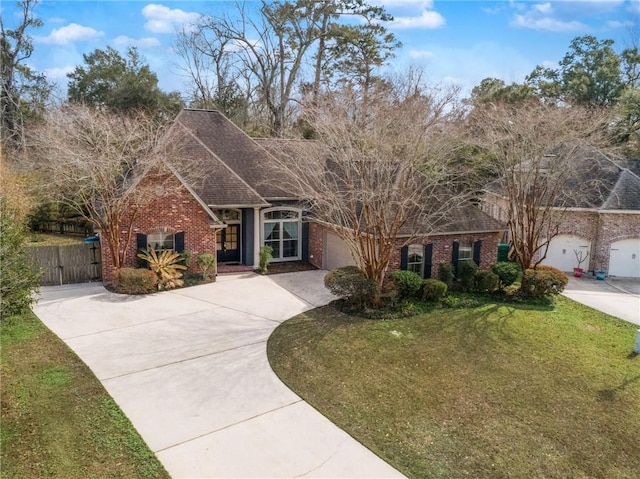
(561, 253)
(624, 258)
(336, 253)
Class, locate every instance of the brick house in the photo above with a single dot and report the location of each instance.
(600, 217)
(238, 206)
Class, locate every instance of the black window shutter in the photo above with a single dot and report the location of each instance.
(141, 241)
(476, 252)
(454, 256)
(404, 257)
(179, 242)
(428, 254)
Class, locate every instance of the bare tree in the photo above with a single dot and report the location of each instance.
(542, 156)
(107, 167)
(373, 183)
(23, 92)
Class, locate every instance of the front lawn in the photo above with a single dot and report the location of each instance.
(57, 419)
(495, 391)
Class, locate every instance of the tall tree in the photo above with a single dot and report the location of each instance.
(23, 92)
(369, 183)
(107, 166)
(537, 151)
(494, 90)
(108, 80)
(259, 55)
(591, 73)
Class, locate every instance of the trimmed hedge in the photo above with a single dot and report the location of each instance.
(433, 289)
(135, 281)
(543, 281)
(407, 283)
(445, 274)
(507, 272)
(466, 275)
(349, 284)
(485, 281)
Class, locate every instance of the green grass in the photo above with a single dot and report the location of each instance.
(57, 419)
(496, 391)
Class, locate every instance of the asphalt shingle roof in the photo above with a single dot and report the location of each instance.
(596, 182)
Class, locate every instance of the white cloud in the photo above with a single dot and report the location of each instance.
(69, 34)
(421, 54)
(161, 19)
(147, 42)
(546, 23)
(617, 24)
(634, 6)
(428, 19)
(543, 8)
(58, 73)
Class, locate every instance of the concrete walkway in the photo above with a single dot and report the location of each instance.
(618, 297)
(189, 368)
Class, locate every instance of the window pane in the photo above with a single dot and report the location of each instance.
(271, 231)
(160, 241)
(415, 267)
(276, 248)
(289, 248)
(290, 230)
(465, 252)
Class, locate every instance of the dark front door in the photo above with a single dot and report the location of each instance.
(228, 244)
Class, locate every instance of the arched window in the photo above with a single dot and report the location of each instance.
(282, 230)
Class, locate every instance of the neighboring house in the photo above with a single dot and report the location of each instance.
(600, 217)
(238, 206)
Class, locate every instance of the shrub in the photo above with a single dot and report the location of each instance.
(467, 275)
(135, 281)
(445, 274)
(207, 263)
(408, 283)
(266, 254)
(543, 281)
(166, 266)
(507, 272)
(351, 285)
(485, 281)
(433, 290)
(17, 281)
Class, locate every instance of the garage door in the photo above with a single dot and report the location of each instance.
(561, 253)
(624, 258)
(336, 253)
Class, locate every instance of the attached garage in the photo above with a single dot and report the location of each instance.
(624, 258)
(561, 253)
(336, 253)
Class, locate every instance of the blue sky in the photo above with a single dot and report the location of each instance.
(458, 42)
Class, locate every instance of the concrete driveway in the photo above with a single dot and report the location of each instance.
(189, 368)
(618, 297)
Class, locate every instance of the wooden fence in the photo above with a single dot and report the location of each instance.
(67, 264)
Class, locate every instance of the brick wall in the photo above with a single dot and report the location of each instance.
(614, 227)
(316, 243)
(442, 246)
(174, 211)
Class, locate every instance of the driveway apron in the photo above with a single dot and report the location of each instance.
(618, 297)
(189, 368)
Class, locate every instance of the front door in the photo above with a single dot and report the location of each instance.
(228, 244)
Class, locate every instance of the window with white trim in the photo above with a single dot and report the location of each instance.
(161, 241)
(415, 258)
(465, 251)
(282, 230)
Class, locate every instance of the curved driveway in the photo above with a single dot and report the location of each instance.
(189, 368)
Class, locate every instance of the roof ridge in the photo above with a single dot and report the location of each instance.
(231, 170)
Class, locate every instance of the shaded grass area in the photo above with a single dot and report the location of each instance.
(494, 391)
(57, 419)
(50, 239)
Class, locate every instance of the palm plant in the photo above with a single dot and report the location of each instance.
(166, 265)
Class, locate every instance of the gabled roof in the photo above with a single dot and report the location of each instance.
(596, 182)
(241, 171)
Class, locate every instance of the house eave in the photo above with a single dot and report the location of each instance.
(239, 206)
(619, 212)
(452, 233)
